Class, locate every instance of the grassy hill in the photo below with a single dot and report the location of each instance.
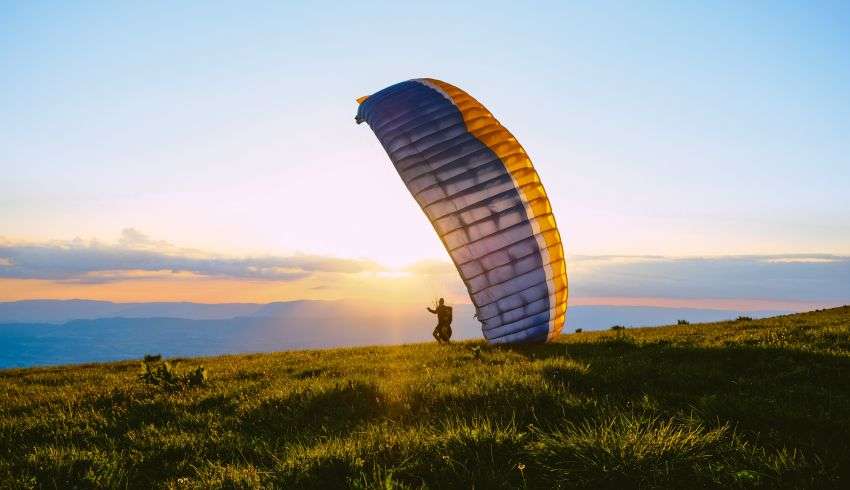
(743, 404)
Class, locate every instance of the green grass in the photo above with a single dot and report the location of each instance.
(761, 403)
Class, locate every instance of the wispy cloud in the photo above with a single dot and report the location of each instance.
(803, 260)
(791, 278)
(137, 256)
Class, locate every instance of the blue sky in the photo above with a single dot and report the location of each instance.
(684, 129)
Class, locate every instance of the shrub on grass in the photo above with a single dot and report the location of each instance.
(682, 322)
(162, 374)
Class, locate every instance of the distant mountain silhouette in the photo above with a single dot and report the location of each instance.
(61, 311)
(302, 309)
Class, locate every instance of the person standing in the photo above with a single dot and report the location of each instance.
(443, 330)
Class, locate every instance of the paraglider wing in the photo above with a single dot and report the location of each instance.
(481, 193)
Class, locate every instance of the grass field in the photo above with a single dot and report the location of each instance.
(762, 403)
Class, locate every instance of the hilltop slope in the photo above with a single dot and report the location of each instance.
(746, 403)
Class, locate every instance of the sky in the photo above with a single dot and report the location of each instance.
(207, 151)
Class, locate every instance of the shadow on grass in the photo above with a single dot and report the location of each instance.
(771, 395)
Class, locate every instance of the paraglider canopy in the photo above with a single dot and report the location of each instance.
(477, 186)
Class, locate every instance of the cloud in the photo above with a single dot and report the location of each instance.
(802, 260)
(133, 238)
(816, 277)
(136, 256)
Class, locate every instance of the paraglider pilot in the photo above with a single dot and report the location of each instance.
(443, 330)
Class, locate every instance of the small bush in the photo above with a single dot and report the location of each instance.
(153, 357)
(744, 319)
(578, 330)
(682, 322)
(161, 373)
(618, 327)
